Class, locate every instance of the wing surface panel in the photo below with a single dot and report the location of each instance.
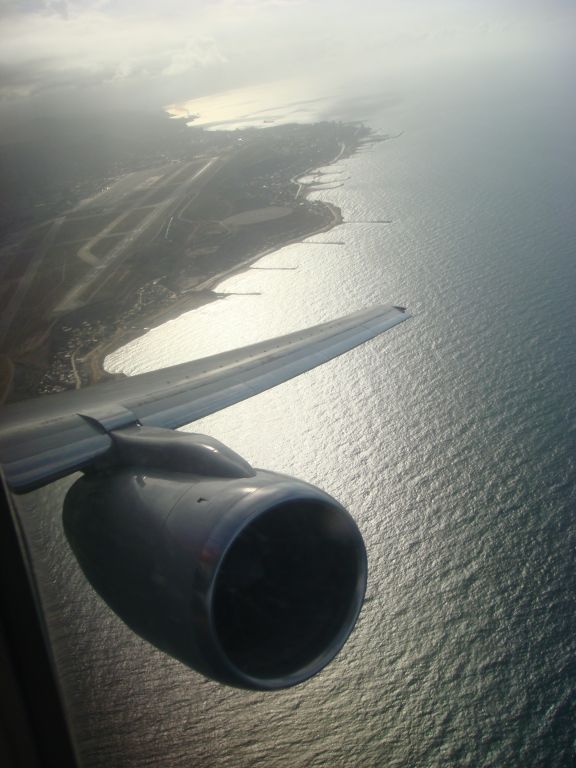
(47, 438)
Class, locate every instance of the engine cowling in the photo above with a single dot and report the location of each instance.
(254, 579)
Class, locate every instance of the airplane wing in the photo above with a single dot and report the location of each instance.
(52, 436)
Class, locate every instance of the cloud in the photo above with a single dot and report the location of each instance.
(180, 49)
(61, 8)
(46, 49)
(195, 54)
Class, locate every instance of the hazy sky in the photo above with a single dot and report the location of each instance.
(140, 53)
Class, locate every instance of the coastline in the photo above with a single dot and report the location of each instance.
(193, 299)
(220, 229)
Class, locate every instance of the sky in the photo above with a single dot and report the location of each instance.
(144, 54)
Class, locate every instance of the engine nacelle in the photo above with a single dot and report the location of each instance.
(252, 578)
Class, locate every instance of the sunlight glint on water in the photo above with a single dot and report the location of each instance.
(451, 439)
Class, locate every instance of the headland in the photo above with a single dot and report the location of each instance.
(152, 242)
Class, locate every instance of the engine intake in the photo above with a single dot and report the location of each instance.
(254, 579)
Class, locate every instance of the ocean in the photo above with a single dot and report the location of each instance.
(451, 440)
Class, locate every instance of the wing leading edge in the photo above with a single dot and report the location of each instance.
(47, 438)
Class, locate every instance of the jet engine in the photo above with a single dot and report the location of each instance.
(252, 578)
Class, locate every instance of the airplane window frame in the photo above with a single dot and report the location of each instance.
(33, 726)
